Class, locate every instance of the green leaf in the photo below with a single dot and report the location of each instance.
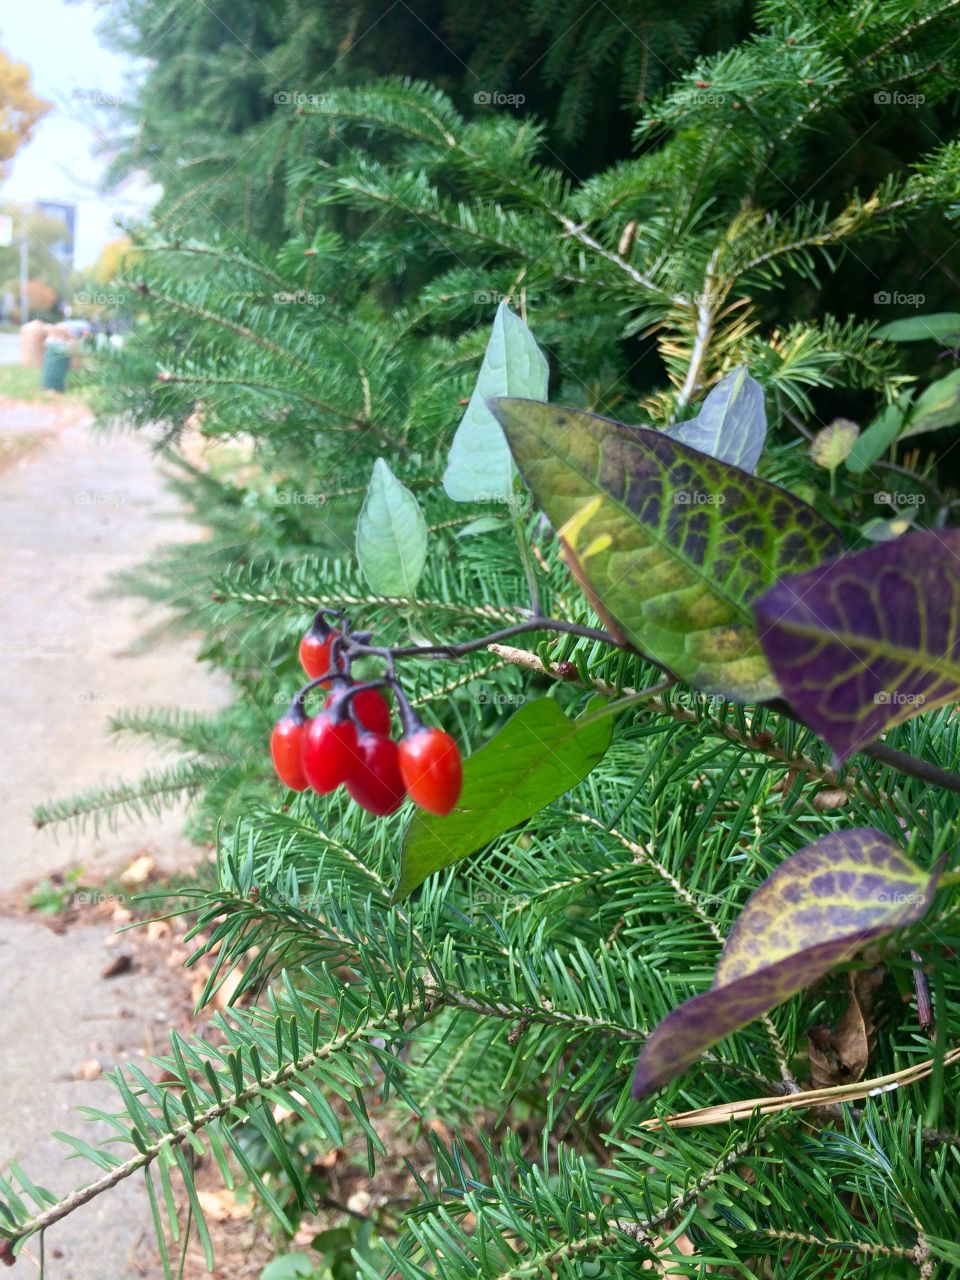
(289, 1266)
(537, 756)
(938, 406)
(943, 326)
(817, 910)
(391, 535)
(878, 437)
(880, 530)
(731, 424)
(483, 524)
(670, 544)
(479, 468)
(833, 443)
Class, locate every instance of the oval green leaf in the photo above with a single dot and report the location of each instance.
(536, 757)
(937, 407)
(671, 545)
(391, 535)
(479, 468)
(817, 910)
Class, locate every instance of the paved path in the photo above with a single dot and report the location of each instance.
(73, 510)
(9, 348)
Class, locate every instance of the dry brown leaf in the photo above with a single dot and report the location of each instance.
(830, 798)
(223, 1206)
(138, 872)
(119, 964)
(841, 1056)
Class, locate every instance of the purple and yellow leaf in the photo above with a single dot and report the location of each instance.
(674, 544)
(868, 640)
(815, 911)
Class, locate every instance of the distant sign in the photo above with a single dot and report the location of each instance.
(67, 215)
(6, 231)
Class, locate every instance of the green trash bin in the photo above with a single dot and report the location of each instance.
(56, 362)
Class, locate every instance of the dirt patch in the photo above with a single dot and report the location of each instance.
(16, 445)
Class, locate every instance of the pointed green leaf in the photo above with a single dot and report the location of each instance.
(391, 535)
(833, 443)
(673, 545)
(732, 423)
(483, 524)
(943, 326)
(537, 756)
(815, 911)
(479, 468)
(878, 437)
(869, 640)
(937, 407)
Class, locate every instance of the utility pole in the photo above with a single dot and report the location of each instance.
(24, 277)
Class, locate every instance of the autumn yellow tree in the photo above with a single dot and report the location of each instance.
(20, 108)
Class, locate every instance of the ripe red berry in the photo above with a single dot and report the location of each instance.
(329, 752)
(431, 769)
(315, 655)
(375, 782)
(370, 707)
(286, 747)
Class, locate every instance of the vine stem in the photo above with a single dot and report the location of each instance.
(900, 761)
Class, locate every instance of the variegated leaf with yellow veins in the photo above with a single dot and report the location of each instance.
(818, 909)
(670, 545)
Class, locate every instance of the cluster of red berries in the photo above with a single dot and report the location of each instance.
(349, 741)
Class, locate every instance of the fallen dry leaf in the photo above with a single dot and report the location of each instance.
(138, 872)
(223, 1206)
(119, 964)
(840, 1056)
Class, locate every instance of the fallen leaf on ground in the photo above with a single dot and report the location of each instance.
(119, 964)
(223, 1206)
(138, 872)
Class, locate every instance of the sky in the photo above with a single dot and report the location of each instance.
(71, 69)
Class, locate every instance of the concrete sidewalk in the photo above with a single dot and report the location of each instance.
(73, 510)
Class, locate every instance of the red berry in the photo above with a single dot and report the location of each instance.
(286, 746)
(315, 655)
(431, 769)
(375, 783)
(370, 707)
(329, 752)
